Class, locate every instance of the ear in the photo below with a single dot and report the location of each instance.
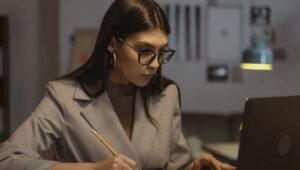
(112, 45)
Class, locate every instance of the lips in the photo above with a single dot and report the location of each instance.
(147, 76)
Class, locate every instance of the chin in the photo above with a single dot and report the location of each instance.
(141, 83)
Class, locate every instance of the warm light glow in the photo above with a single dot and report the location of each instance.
(250, 66)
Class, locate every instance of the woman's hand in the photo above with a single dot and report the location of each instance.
(209, 161)
(118, 162)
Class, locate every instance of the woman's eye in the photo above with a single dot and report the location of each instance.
(144, 50)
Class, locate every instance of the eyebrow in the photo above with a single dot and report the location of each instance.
(151, 45)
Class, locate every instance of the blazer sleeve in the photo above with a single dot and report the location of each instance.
(24, 150)
(179, 151)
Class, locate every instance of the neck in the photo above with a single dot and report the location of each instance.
(116, 78)
(120, 90)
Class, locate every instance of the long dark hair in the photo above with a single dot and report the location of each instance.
(123, 18)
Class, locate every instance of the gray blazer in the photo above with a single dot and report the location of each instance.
(56, 123)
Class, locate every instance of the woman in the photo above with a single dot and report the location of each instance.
(120, 94)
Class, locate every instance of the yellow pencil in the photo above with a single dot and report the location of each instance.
(112, 151)
(100, 138)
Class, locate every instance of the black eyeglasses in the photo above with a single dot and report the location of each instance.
(145, 57)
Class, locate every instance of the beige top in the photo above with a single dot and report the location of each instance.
(122, 99)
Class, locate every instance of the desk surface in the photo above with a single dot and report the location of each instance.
(227, 150)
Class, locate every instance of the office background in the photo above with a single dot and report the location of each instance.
(40, 47)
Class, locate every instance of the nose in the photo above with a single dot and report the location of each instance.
(154, 64)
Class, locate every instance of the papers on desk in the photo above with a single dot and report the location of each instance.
(226, 150)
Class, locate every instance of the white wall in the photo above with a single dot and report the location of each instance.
(77, 14)
(200, 95)
(197, 93)
(23, 57)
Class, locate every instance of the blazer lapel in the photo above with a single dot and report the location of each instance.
(101, 115)
(144, 133)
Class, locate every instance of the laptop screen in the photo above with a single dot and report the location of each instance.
(270, 137)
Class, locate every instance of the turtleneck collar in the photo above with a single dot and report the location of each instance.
(120, 90)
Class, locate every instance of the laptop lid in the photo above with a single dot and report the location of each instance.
(270, 137)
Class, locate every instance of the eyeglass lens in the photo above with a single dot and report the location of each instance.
(146, 57)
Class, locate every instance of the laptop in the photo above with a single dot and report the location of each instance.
(270, 136)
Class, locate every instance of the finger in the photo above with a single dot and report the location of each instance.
(131, 163)
(227, 167)
(191, 166)
(214, 164)
(214, 167)
(124, 166)
(197, 165)
(194, 167)
(119, 163)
